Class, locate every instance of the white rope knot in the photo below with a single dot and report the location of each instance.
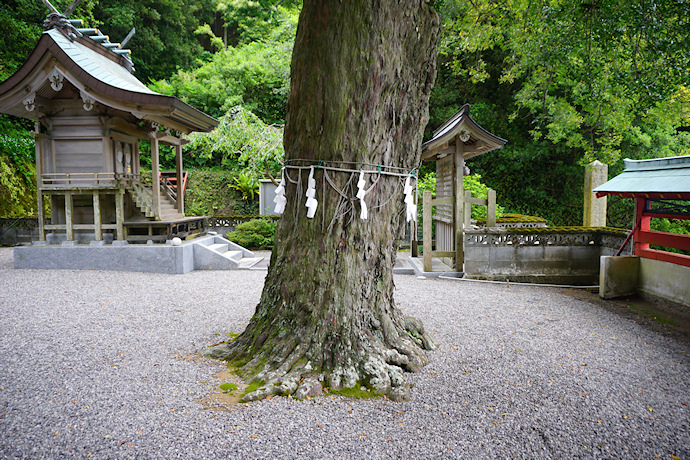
(409, 200)
(311, 203)
(361, 192)
(280, 199)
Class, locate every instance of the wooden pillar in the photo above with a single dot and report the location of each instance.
(39, 185)
(69, 219)
(98, 230)
(467, 212)
(41, 217)
(155, 178)
(459, 204)
(120, 214)
(642, 222)
(178, 170)
(414, 248)
(491, 209)
(426, 229)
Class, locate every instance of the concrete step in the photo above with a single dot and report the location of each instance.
(219, 247)
(233, 255)
(249, 262)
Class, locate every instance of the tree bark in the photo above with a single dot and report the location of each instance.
(362, 72)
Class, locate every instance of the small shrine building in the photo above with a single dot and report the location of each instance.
(451, 145)
(660, 265)
(90, 115)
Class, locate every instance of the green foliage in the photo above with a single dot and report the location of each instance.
(585, 72)
(479, 190)
(255, 75)
(17, 170)
(247, 185)
(565, 83)
(678, 226)
(210, 192)
(247, 21)
(20, 22)
(164, 40)
(255, 234)
(17, 195)
(472, 183)
(427, 182)
(241, 142)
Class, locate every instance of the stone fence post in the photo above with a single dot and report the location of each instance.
(596, 173)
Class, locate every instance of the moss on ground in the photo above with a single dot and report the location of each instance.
(228, 387)
(355, 392)
(255, 385)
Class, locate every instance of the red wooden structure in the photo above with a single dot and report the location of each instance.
(661, 189)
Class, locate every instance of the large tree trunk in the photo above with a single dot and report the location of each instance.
(362, 72)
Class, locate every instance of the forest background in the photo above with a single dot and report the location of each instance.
(564, 82)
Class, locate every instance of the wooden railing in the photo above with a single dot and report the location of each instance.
(427, 204)
(101, 179)
(468, 201)
(169, 189)
(644, 236)
(670, 240)
(79, 179)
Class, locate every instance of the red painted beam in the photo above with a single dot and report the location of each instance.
(678, 259)
(659, 215)
(665, 195)
(669, 240)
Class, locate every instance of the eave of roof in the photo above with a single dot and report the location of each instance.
(461, 121)
(651, 179)
(99, 70)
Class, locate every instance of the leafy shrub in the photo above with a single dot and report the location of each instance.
(17, 171)
(210, 192)
(472, 183)
(247, 185)
(255, 234)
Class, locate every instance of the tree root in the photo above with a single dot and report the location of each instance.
(376, 367)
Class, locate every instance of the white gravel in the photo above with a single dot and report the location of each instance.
(97, 364)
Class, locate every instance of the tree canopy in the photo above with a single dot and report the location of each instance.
(565, 82)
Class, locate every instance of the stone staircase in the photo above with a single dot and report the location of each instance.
(217, 253)
(143, 199)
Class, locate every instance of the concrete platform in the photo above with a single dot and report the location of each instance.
(196, 254)
(438, 268)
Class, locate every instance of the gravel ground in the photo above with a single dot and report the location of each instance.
(99, 364)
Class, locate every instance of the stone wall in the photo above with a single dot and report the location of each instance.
(18, 231)
(666, 280)
(557, 255)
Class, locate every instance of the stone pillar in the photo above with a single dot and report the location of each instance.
(596, 173)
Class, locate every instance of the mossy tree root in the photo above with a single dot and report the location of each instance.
(294, 369)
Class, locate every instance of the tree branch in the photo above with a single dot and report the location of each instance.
(267, 173)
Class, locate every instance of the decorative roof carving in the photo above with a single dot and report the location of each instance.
(476, 139)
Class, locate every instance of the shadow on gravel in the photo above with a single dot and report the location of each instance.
(656, 314)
